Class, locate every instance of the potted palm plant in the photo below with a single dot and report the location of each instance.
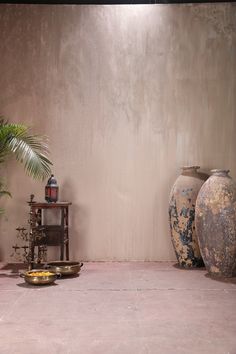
(29, 149)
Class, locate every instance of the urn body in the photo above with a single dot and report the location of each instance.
(216, 223)
(182, 217)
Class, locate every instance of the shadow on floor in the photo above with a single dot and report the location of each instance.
(14, 267)
(207, 275)
(28, 286)
(221, 279)
(6, 275)
(69, 277)
(12, 270)
(177, 266)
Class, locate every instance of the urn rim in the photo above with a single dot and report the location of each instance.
(220, 172)
(190, 167)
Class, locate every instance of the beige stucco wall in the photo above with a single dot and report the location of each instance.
(127, 95)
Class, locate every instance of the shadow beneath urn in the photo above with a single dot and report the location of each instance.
(221, 279)
(177, 266)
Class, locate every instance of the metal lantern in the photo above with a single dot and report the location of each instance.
(51, 190)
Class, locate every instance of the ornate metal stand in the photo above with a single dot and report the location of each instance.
(21, 252)
(41, 235)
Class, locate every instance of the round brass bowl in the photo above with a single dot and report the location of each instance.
(64, 267)
(30, 278)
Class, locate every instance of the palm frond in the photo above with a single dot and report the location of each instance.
(31, 150)
(6, 132)
(2, 193)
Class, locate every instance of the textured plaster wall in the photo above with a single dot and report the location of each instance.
(127, 95)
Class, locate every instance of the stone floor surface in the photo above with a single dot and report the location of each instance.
(119, 308)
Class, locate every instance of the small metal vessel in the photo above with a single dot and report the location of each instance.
(64, 267)
(33, 277)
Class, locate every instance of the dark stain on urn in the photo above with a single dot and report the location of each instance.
(185, 251)
(186, 257)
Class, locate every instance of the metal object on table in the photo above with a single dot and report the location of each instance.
(40, 279)
(64, 267)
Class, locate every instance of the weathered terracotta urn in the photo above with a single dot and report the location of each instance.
(182, 216)
(216, 223)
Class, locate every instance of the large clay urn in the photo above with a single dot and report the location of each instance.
(216, 223)
(182, 216)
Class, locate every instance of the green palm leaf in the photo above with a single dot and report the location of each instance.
(2, 193)
(31, 150)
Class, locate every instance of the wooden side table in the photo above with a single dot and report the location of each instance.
(48, 235)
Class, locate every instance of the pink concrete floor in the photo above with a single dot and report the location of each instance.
(122, 308)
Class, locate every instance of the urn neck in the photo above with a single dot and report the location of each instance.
(220, 173)
(189, 169)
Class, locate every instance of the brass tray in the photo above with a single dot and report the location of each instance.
(39, 279)
(64, 267)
